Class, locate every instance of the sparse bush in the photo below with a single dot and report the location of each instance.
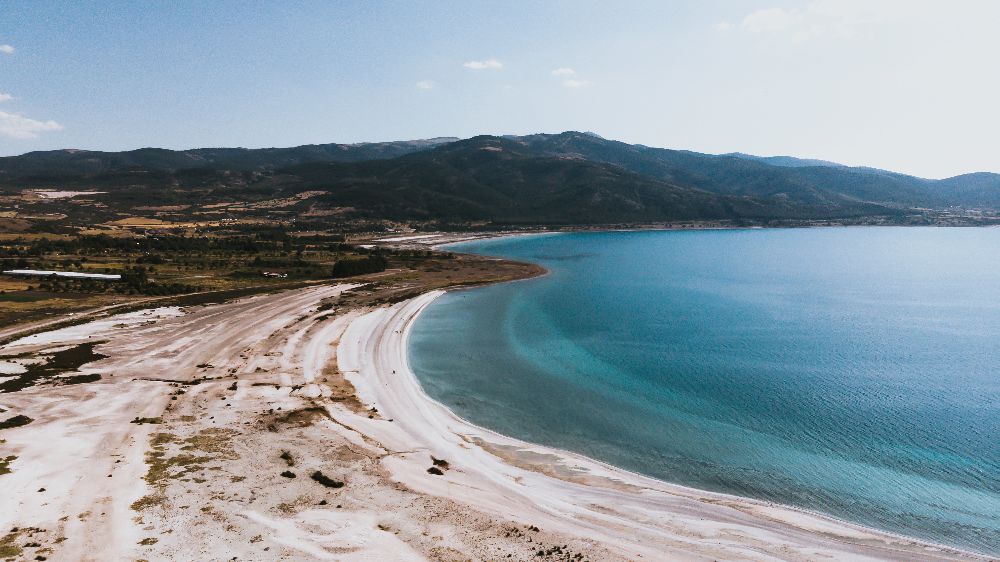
(16, 421)
(326, 480)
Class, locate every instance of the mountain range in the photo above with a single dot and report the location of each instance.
(565, 178)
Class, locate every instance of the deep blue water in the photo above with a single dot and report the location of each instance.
(852, 371)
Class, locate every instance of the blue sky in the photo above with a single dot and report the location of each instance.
(905, 85)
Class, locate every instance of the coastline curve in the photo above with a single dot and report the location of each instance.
(631, 514)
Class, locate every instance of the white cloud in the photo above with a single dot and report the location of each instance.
(818, 18)
(425, 85)
(18, 126)
(6, 49)
(567, 82)
(489, 64)
(770, 20)
(723, 26)
(5, 97)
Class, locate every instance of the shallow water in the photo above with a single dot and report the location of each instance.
(853, 371)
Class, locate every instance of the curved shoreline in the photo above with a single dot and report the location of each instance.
(634, 515)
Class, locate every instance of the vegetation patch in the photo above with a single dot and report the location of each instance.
(326, 480)
(161, 468)
(213, 440)
(218, 261)
(147, 501)
(173, 458)
(439, 466)
(351, 267)
(66, 360)
(79, 379)
(8, 545)
(5, 464)
(302, 417)
(23, 297)
(15, 421)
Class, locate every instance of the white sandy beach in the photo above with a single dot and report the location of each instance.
(636, 516)
(203, 438)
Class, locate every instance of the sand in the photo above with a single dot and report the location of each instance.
(202, 439)
(635, 516)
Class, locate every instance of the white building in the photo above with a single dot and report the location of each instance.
(68, 274)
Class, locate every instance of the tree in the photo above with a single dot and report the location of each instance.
(351, 267)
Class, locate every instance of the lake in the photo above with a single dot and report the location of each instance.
(851, 371)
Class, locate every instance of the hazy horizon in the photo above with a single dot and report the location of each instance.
(902, 86)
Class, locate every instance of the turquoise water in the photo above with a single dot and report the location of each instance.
(852, 371)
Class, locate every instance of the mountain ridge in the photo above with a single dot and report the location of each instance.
(544, 178)
(82, 162)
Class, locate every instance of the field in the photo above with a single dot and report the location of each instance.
(169, 268)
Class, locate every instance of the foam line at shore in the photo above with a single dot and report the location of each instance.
(566, 492)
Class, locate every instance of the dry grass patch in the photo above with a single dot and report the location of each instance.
(5, 464)
(173, 458)
(303, 417)
(8, 545)
(213, 440)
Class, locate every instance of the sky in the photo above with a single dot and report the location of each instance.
(906, 85)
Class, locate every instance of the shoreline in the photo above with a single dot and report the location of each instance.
(423, 241)
(558, 476)
(186, 444)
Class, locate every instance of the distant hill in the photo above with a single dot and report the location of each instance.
(565, 178)
(978, 189)
(830, 185)
(785, 161)
(504, 180)
(86, 162)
